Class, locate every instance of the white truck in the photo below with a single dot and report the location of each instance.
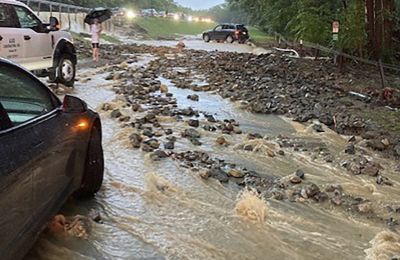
(37, 46)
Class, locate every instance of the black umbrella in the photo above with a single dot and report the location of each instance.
(100, 13)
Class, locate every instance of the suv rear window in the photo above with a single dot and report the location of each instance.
(7, 17)
(241, 27)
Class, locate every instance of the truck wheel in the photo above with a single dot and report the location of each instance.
(206, 38)
(66, 71)
(230, 39)
(94, 167)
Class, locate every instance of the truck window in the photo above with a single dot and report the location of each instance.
(7, 19)
(27, 19)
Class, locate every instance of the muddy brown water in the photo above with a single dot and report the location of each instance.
(191, 218)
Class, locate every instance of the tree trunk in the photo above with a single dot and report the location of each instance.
(378, 27)
(371, 27)
(389, 9)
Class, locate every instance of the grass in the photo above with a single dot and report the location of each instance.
(110, 39)
(388, 120)
(259, 36)
(166, 28)
(81, 37)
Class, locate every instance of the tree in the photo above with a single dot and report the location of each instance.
(363, 22)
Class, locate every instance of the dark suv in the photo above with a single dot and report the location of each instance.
(227, 32)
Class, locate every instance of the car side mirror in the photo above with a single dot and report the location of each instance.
(73, 104)
(54, 24)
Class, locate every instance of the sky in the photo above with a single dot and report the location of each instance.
(199, 4)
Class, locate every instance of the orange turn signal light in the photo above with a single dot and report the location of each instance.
(82, 124)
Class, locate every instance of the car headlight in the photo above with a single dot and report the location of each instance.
(130, 14)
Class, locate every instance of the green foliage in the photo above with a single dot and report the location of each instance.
(353, 37)
(312, 22)
(258, 35)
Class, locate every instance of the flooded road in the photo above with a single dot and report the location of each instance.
(157, 209)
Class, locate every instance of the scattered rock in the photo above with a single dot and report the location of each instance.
(309, 191)
(371, 170)
(222, 141)
(153, 143)
(300, 173)
(219, 174)
(350, 149)
(352, 139)
(136, 140)
(236, 173)
(95, 216)
(248, 147)
(158, 155)
(210, 118)
(318, 128)
(195, 141)
(193, 123)
(397, 149)
(147, 132)
(136, 107)
(365, 208)
(191, 133)
(334, 188)
(180, 45)
(376, 145)
(381, 180)
(169, 145)
(385, 142)
(106, 107)
(205, 174)
(193, 97)
(281, 152)
(253, 136)
(163, 88)
(147, 148)
(295, 180)
(116, 113)
(337, 201)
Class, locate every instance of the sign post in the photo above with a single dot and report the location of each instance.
(335, 35)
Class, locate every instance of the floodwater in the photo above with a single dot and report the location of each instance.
(159, 210)
(198, 44)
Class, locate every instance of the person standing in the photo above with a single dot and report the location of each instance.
(95, 30)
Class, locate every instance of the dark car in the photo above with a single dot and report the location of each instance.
(227, 32)
(48, 151)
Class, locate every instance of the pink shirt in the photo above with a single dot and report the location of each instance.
(95, 30)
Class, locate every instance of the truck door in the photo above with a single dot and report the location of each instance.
(38, 44)
(11, 45)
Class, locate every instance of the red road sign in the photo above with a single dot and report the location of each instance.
(335, 27)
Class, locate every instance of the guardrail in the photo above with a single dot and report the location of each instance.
(327, 50)
(51, 4)
(71, 17)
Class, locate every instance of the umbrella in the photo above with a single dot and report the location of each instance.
(100, 13)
